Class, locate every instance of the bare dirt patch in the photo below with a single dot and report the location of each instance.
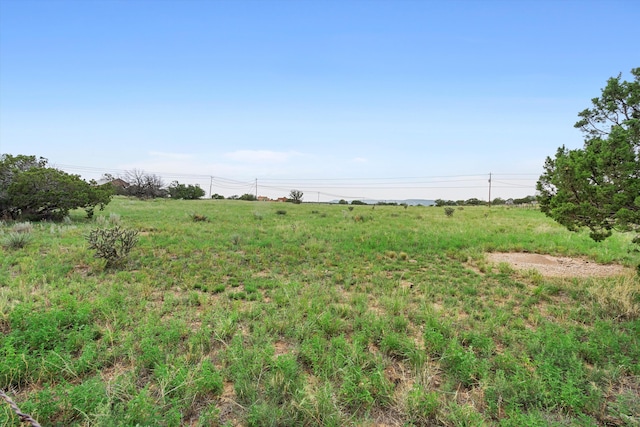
(552, 266)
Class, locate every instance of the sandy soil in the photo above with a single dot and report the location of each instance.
(551, 266)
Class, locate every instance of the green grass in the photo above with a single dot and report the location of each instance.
(323, 316)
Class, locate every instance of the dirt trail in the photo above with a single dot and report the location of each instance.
(552, 266)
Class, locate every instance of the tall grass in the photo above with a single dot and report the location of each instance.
(315, 318)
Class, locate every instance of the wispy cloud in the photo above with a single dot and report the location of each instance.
(261, 156)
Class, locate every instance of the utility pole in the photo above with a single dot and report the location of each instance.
(489, 189)
(256, 188)
(210, 186)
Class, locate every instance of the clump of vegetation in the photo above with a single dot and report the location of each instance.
(281, 212)
(236, 239)
(187, 192)
(32, 190)
(22, 227)
(112, 244)
(295, 196)
(199, 218)
(16, 240)
(448, 211)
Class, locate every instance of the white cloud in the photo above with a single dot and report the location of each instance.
(261, 156)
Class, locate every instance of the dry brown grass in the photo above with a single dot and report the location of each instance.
(618, 296)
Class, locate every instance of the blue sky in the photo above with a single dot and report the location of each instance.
(356, 99)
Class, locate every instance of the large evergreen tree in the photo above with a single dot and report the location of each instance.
(31, 190)
(598, 186)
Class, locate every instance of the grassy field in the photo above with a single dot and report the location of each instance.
(278, 314)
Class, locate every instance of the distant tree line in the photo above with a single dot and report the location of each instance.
(477, 202)
(137, 183)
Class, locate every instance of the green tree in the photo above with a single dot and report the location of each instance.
(248, 197)
(10, 167)
(187, 192)
(39, 192)
(598, 186)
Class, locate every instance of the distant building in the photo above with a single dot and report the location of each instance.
(264, 199)
(282, 199)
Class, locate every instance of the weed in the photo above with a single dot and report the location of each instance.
(281, 212)
(22, 227)
(449, 211)
(199, 218)
(618, 297)
(112, 244)
(16, 240)
(422, 405)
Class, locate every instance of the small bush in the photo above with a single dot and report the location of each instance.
(112, 244)
(199, 218)
(281, 212)
(16, 240)
(22, 227)
(448, 211)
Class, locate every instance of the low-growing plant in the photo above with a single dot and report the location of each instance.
(281, 212)
(112, 244)
(16, 240)
(22, 227)
(619, 297)
(448, 211)
(199, 218)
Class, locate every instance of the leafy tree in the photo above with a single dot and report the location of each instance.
(474, 202)
(357, 202)
(187, 192)
(248, 197)
(525, 200)
(598, 186)
(498, 201)
(31, 190)
(217, 196)
(10, 166)
(442, 202)
(295, 196)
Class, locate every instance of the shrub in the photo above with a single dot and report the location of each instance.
(16, 240)
(448, 211)
(281, 212)
(112, 244)
(22, 227)
(199, 218)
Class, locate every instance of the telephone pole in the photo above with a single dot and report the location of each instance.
(489, 189)
(210, 186)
